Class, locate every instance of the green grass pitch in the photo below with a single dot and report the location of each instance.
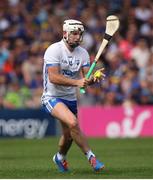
(123, 158)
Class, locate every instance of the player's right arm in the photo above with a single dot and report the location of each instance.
(57, 78)
(52, 61)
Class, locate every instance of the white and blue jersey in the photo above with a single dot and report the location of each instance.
(70, 64)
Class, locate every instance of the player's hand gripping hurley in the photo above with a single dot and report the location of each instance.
(112, 25)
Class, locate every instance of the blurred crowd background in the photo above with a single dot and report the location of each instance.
(28, 27)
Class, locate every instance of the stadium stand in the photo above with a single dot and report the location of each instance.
(27, 27)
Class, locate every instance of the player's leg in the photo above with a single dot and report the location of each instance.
(65, 140)
(68, 121)
(64, 145)
(61, 112)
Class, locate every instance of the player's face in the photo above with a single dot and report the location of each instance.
(74, 38)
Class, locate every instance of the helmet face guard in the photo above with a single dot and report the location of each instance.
(70, 26)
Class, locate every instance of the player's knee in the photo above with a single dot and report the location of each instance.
(73, 124)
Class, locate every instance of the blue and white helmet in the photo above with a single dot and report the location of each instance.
(70, 26)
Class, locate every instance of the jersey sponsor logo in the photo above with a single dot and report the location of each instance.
(68, 72)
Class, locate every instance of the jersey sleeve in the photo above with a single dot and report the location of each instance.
(86, 59)
(52, 55)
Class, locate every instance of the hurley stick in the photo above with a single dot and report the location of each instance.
(112, 25)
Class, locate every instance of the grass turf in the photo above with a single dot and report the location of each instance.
(123, 158)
